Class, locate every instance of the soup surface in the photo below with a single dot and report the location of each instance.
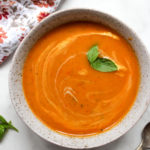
(66, 93)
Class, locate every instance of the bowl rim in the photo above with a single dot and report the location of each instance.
(27, 38)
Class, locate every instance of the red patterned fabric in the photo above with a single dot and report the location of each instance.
(17, 18)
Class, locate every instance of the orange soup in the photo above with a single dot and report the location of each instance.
(66, 93)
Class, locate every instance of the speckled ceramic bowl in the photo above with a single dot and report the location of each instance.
(21, 106)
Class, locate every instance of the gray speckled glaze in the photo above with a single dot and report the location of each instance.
(17, 95)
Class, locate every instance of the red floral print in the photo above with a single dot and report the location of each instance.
(42, 15)
(41, 3)
(12, 2)
(2, 35)
(51, 2)
(17, 18)
(23, 29)
(21, 37)
(4, 13)
(5, 57)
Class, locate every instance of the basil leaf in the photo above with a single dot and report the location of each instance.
(10, 126)
(2, 131)
(93, 53)
(2, 119)
(4, 125)
(104, 65)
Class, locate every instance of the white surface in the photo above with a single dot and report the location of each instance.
(135, 14)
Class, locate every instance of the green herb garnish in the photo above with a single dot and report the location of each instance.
(4, 126)
(2, 120)
(2, 131)
(100, 64)
(93, 53)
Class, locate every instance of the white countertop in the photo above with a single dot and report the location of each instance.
(136, 14)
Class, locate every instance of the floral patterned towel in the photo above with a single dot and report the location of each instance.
(17, 18)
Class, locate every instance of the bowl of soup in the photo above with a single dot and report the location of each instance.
(80, 79)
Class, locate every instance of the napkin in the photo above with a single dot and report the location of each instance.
(17, 18)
